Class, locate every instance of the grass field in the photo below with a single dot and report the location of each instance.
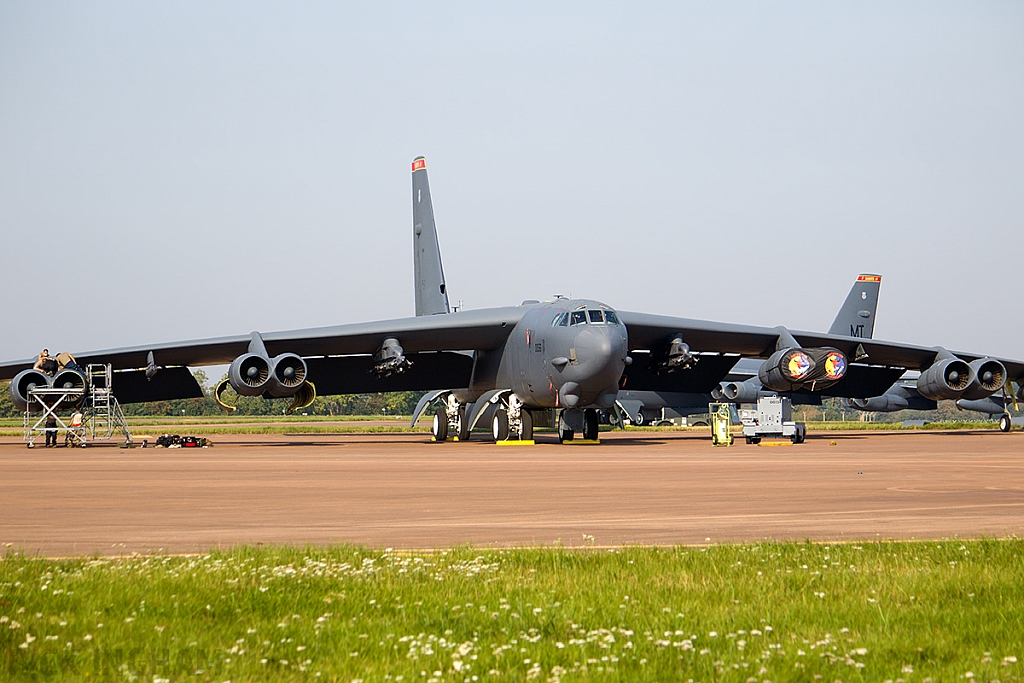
(939, 611)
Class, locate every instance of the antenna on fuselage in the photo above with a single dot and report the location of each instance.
(431, 293)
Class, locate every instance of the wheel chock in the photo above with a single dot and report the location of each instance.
(775, 443)
(516, 442)
(582, 442)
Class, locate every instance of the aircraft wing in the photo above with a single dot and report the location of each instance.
(464, 330)
(648, 332)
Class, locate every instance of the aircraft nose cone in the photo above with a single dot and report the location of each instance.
(601, 352)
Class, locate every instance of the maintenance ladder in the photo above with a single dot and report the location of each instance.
(102, 414)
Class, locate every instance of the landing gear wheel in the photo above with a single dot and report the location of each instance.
(639, 419)
(463, 424)
(1005, 424)
(439, 428)
(565, 432)
(499, 425)
(590, 424)
(754, 440)
(527, 419)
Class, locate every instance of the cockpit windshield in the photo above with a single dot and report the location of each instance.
(585, 316)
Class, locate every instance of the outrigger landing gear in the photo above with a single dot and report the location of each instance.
(1005, 423)
(450, 418)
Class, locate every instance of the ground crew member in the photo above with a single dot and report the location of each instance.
(51, 430)
(75, 434)
(66, 360)
(44, 363)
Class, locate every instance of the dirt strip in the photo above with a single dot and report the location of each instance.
(401, 491)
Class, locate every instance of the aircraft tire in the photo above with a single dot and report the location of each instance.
(590, 424)
(639, 419)
(1005, 424)
(565, 433)
(527, 419)
(499, 425)
(439, 428)
(463, 425)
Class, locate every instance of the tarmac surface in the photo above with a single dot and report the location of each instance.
(402, 491)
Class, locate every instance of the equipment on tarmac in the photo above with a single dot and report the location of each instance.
(774, 418)
(721, 420)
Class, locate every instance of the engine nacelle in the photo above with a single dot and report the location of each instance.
(948, 378)
(744, 392)
(287, 376)
(249, 374)
(253, 374)
(792, 369)
(886, 403)
(25, 381)
(989, 377)
(72, 381)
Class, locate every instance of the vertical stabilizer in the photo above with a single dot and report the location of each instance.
(431, 294)
(857, 316)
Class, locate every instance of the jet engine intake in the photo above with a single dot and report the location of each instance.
(288, 375)
(796, 368)
(947, 378)
(989, 377)
(72, 381)
(249, 374)
(25, 381)
(886, 403)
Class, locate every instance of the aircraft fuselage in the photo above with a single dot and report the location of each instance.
(566, 353)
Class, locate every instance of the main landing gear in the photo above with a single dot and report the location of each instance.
(512, 419)
(450, 420)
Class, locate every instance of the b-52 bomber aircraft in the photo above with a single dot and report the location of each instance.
(571, 355)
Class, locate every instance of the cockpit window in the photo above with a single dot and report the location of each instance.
(595, 316)
(579, 317)
(611, 318)
(561, 320)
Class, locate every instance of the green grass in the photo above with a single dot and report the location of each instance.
(771, 611)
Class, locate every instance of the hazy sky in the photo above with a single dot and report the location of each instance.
(181, 170)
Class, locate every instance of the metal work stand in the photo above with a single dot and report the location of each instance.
(102, 414)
